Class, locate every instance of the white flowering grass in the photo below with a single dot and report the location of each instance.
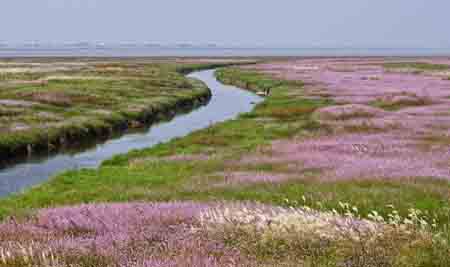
(342, 236)
(18, 255)
(282, 221)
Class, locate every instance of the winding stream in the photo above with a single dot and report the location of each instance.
(226, 103)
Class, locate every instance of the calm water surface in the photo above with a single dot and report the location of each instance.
(227, 102)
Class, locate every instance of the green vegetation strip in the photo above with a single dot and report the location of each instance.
(420, 66)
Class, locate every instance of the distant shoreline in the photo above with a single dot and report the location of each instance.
(194, 51)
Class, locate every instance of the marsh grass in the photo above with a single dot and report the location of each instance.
(364, 127)
(431, 142)
(28, 258)
(139, 176)
(239, 234)
(20, 76)
(436, 139)
(63, 111)
(415, 101)
(285, 237)
(162, 180)
(419, 66)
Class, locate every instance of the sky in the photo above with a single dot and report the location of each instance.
(294, 23)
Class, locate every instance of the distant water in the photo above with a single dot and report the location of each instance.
(151, 51)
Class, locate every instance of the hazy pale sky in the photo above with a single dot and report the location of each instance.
(363, 23)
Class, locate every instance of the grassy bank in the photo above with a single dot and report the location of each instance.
(130, 173)
(47, 106)
(203, 165)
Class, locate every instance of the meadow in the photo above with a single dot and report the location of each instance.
(322, 173)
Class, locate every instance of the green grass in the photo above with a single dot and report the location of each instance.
(392, 106)
(420, 66)
(387, 106)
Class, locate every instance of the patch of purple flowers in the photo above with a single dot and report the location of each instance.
(368, 142)
(133, 234)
